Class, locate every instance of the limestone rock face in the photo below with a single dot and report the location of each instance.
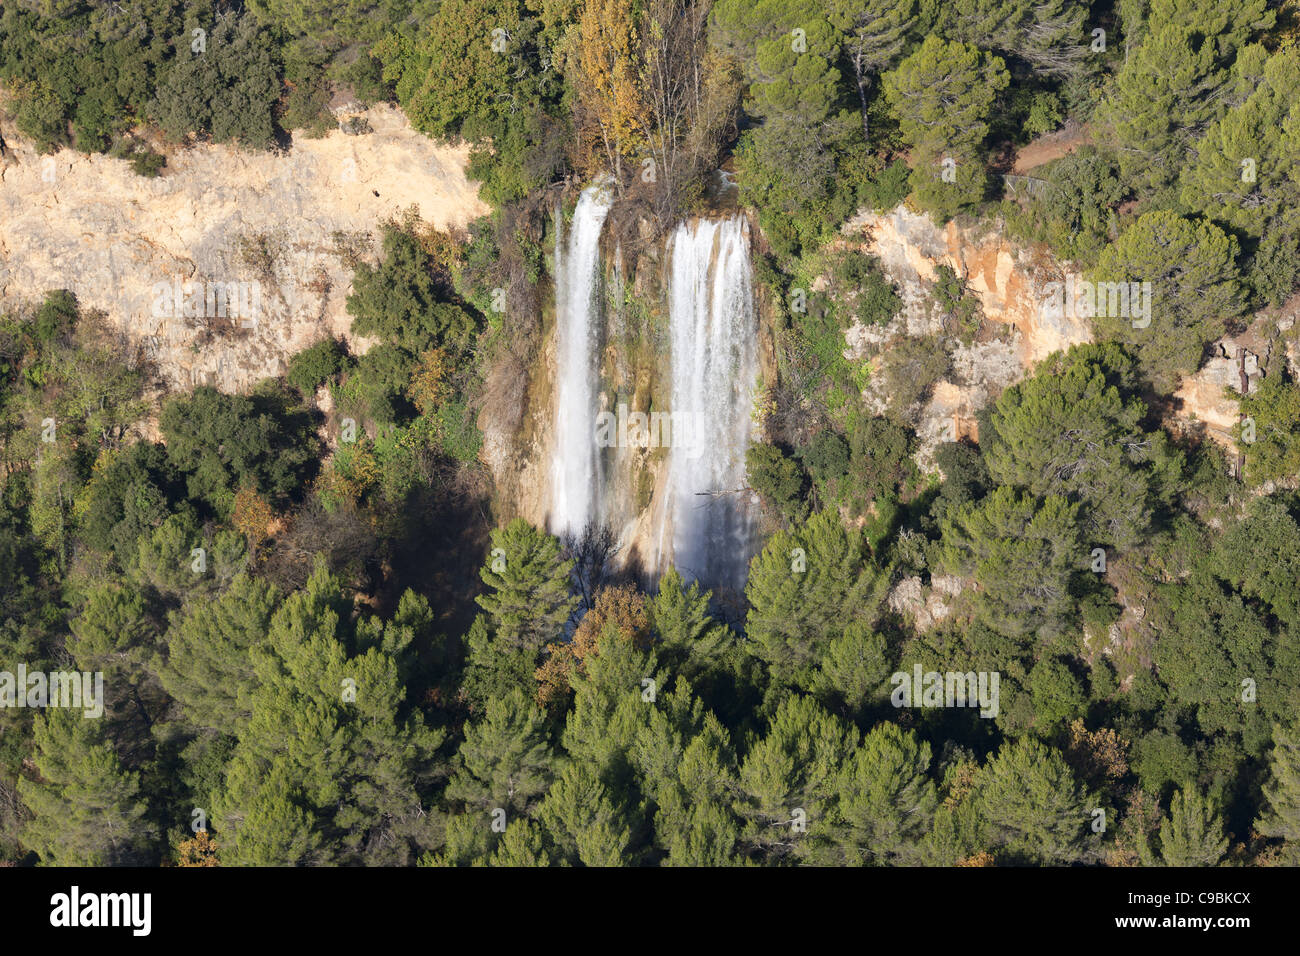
(925, 606)
(1013, 285)
(1030, 293)
(1014, 288)
(1238, 362)
(281, 229)
(1205, 394)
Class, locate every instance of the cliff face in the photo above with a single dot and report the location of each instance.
(1239, 362)
(631, 319)
(284, 228)
(1014, 286)
(672, 353)
(1011, 285)
(1010, 282)
(290, 226)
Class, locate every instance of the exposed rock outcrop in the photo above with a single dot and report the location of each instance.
(1022, 289)
(1238, 362)
(1011, 282)
(285, 227)
(1013, 287)
(923, 606)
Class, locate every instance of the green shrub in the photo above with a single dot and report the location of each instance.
(56, 316)
(778, 479)
(880, 460)
(460, 436)
(317, 365)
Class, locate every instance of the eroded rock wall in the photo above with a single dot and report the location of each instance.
(1011, 282)
(1014, 286)
(293, 222)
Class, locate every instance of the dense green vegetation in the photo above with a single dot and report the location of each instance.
(319, 642)
(94, 74)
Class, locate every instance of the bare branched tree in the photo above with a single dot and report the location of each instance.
(592, 552)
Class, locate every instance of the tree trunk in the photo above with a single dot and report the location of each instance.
(863, 83)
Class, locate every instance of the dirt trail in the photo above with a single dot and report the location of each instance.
(1050, 146)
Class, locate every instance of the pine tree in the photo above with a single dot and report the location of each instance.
(787, 781)
(331, 729)
(469, 839)
(1226, 25)
(1192, 834)
(679, 615)
(164, 560)
(529, 601)
(492, 668)
(86, 807)
(957, 834)
(673, 720)
(942, 95)
(454, 79)
(1245, 171)
(789, 51)
(111, 631)
(885, 802)
(1047, 34)
(804, 588)
(1032, 804)
(1210, 638)
(113, 634)
(396, 637)
(959, 831)
(1273, 410)
(1260, 555)
(1025, 557)
(528, 606)
(875, 33)
(1163, 95)
(610, 708)
(585, 821)
(1074, 429)
(523, 844)
(854, 671)
(274, 826)
(1282, 791)
(208, 667)
(505, 760)
(1195, 289)
(695, 822)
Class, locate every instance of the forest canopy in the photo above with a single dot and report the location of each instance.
(321, 632)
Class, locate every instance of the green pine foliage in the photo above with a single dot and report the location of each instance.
(1194, 291)
(1032, 808)
(1282, 792)
(942, 95)
(331, 633)
(805, 588)
(1191, 835)
(85, 808)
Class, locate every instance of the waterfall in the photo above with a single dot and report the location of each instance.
(714, 365)
(575, 465)
(699, 520)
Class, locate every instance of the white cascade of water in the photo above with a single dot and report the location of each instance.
(714, 372)
(575, 464)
